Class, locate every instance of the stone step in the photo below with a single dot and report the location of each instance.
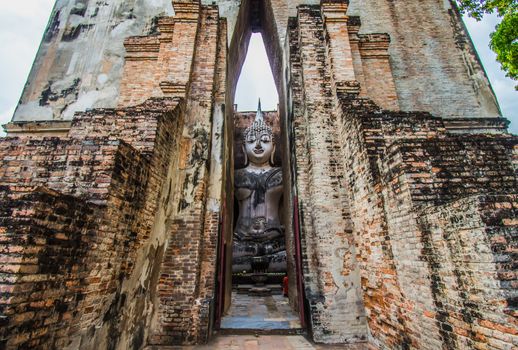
(255, 331)
(263, 342)
(245, 288)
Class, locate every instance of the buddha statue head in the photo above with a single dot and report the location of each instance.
(258, 142)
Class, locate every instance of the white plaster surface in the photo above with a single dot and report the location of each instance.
(430, 70)
(95, 55)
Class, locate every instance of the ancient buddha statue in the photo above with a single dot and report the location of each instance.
(258, 190)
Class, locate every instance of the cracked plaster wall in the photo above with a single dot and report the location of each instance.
(435, 65)
(80, 61)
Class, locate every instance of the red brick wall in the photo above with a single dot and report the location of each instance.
(183, 305)
(330, 280)
(376, 69)
(468, 244)
(426, 256)
(395, 168)
(117, 188)
(160, 65)
(45, 246)
(139, 78)
(112, 176)
(109, 236)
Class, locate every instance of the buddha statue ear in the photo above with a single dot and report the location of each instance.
(244, 153)
(272, 156)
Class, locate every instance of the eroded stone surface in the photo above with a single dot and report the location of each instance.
(260, 313)
(80, 63)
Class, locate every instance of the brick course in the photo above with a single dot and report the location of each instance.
(116, 188)
(422, 182)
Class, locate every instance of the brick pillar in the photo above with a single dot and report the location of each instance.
(186, 286)
(161, 66)
(379, 81)
(353, 27)
(177, 48)
(339, 47)
(331, 278)
(138, 79)
(217, 178)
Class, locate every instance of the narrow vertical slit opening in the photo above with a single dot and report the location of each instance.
(259, 296)
(256, 79)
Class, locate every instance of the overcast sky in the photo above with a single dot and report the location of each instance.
(22, 23)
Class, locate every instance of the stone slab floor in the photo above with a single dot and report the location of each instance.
(262, 342)
(265, 314)
(260, 312)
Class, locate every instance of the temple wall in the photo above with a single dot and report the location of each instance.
(91, 267)
(80, 61)
(331, 278)
(111, 233)
(430, 276)
(469, 243)
(295, 156)
(402, 168)
(434, 64)
(81, 57)
(44, 267)
(186, 289)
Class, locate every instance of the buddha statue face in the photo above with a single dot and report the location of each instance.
(258, 143)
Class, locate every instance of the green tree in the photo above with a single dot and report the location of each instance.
(504, 40)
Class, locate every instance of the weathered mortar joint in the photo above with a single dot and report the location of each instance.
(166, 28)
(186, 10)
(172, 89)
(404, 153)
(347, 90)
(142, 48)
(374, 45)
(334, 11)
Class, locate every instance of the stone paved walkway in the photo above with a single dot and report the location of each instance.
(265, 313)
(262, 342)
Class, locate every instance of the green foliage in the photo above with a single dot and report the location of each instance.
(504, 40)
(477, 8)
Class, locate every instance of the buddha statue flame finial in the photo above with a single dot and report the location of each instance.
(259, 114)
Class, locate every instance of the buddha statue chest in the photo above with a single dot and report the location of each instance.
(258, 195)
